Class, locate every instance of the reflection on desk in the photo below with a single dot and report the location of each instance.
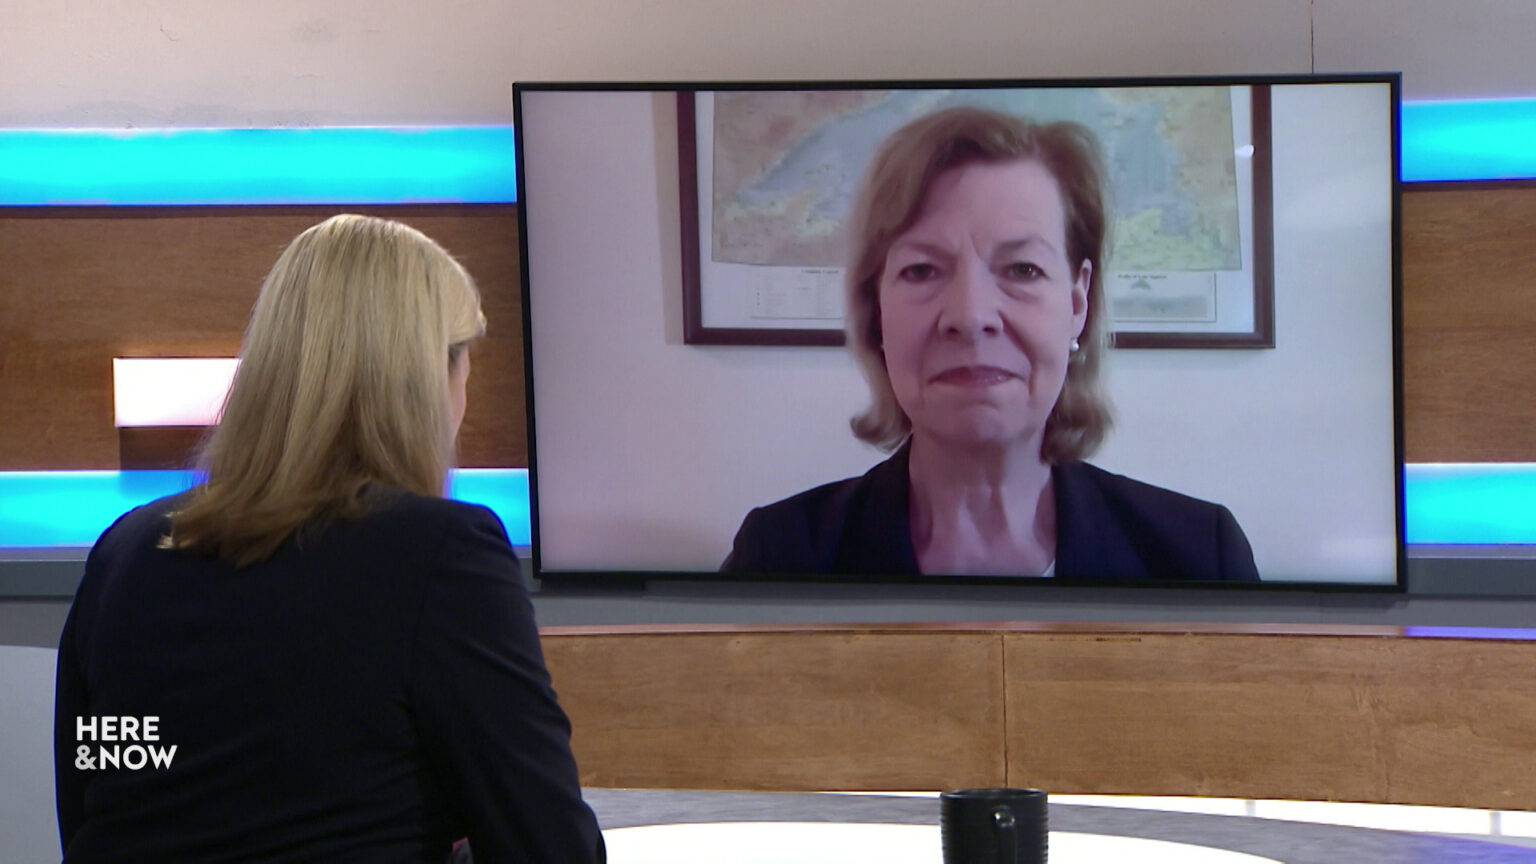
(853, 843)
(1259, 839)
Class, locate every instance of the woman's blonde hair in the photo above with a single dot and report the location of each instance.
(343, 384)
(891, 198)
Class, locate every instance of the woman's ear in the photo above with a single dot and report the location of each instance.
(1081, 285)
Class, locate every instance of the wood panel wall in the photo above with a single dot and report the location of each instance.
(1384, 719)
(1469, 322)
(744, 710)
(1366, 714)
(79, 286)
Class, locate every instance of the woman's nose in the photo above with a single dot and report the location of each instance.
(971, 307)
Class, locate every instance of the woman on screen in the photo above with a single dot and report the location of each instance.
(976, 313)
(338, 664)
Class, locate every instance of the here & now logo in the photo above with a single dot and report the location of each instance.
(120, 742)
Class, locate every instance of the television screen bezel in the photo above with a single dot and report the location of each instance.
(620, 579)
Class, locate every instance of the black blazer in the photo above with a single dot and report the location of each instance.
(1108, 528)
(368, 695)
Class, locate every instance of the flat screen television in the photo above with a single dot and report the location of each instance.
(685, 248)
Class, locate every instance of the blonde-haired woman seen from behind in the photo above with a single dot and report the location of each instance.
(345, 662)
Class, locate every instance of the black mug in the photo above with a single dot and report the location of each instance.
(993, 826)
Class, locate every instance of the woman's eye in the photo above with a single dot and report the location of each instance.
(1024, 271)
(919, 272)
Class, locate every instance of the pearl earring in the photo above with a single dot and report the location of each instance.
(1075, 346)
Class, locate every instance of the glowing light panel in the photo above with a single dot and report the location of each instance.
(1481, 503)
(1456, 140)
(170, 391)
(1469, 140)
(331, 165)
(71, 508)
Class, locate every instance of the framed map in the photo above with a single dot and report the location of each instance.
(768, 177)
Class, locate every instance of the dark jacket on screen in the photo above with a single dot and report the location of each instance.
(368, 695)
(1109, 528)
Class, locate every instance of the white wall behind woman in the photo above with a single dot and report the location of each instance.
(138, 63)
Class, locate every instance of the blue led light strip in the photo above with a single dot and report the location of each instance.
(1467, 140)
(1470, 140)
(376, 165)
(1470, 503)
(1491, 504)
(71, 508)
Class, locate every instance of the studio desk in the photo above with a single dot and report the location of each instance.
(1381, 714)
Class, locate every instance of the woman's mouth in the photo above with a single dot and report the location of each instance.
(973, 376)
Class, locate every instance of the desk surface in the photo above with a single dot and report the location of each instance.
(852, 842)
(1076, 627)
(1290, 842)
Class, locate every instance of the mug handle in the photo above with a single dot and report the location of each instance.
(1007, 835)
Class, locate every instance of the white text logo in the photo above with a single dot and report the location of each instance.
(120, 742)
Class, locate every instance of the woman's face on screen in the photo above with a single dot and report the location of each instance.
(979, 306)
